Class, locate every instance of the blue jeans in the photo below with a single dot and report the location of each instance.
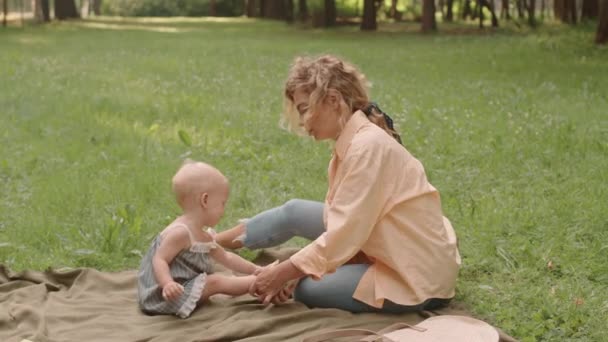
(305, 219)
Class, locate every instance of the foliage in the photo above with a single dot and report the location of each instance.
(164, 8)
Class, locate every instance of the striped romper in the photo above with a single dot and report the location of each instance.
(189, 268)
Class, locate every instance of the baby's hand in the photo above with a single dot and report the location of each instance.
(172, 291)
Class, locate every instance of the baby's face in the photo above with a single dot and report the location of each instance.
(216, 205)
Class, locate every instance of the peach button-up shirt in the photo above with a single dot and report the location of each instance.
(380, 203)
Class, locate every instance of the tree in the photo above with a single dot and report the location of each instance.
(466, 11)
(429, 24)
(41, 11)
(449, 17)
(479, 11)
(558, 9)
(489, 4)
(531, 13)
(302, 10)
(331, 12)
(250, 8)
(504, 10)
(65, 9)
(543, 7)
(289, 11)
(369, 23)
(273, 9)
(602, 27)
(4, 11)
(520, 8)
(393, 10)
(565, 10)
(325, 16)
(96, 7)
(590, 9)
(46, 10)
(212, 8)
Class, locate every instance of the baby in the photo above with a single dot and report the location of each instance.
(176, 274)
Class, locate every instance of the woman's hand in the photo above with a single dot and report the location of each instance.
(172, 291)
(260, 269)
(271, 281)
(285, 294)
(267, 284)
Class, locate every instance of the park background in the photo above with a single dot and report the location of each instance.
(504, 102)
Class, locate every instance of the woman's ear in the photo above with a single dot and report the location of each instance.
(204, 200)
(334, 98)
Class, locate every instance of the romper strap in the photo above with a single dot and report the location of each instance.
(198, 246)
(192, 240)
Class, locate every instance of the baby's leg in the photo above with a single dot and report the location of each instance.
(230, 285)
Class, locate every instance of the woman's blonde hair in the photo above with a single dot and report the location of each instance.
(316, 76)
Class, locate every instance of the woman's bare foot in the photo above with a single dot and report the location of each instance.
(230, 238)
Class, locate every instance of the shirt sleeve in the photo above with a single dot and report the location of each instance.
(351, 216)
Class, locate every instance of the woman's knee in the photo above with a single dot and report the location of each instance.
(291, 208)
(307, 292)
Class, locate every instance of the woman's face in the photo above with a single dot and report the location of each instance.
(322, 122)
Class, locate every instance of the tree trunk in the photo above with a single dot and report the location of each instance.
(590, 9)
(289, 11)
(4, 12)
(467, 11)
(21, 18)
(368, 23)
(565, 10)
(331, 12)
(480, 11)
(505, 13)
(302, 10)
(46, 10)
(212, 8)
(96, 7)
(520, 8)
(449, 17)
(65, 9)
(558, 9)
(37, 11)
(543, 8)
(531, 13)
(602, 26)
(569, 14)
(428, 16)
(326, 16)
(573, 11)
(273, 9)
(490, 5)
(250, 8)
(441, 4)
(84, 8)
(393, 12)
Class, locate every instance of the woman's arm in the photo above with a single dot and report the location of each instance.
(355, 209)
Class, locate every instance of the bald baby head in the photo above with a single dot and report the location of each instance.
(194, 179)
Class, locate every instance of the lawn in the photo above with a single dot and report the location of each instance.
(511, 126)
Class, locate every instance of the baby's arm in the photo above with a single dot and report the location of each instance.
(233, 261)
(173, 242)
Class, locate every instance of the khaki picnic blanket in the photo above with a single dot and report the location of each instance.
(88, 305)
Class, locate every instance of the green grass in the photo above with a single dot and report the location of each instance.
(512, 129)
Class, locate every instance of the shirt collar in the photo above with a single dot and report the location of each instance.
(357, 120)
